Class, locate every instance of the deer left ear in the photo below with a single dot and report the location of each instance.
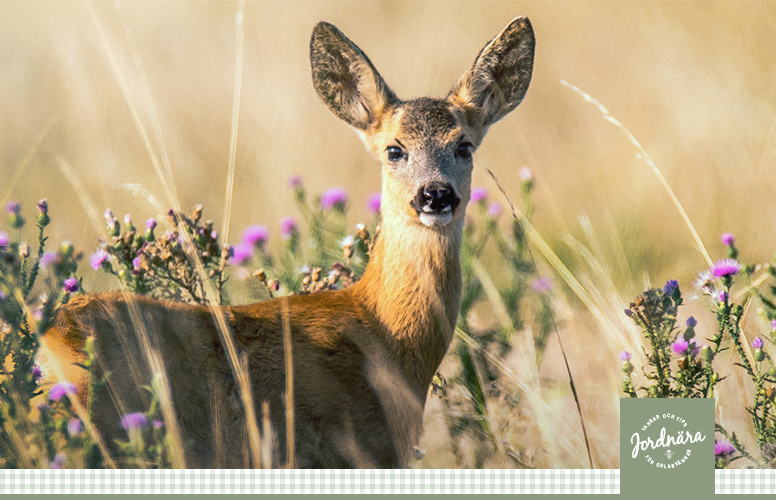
(498, 79)
(345, 79)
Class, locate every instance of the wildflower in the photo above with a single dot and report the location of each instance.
(157, 424)
(74, 427)
(704, 282)
(59, 461)
(60, 389)
(287, 227)
(723, 448)
(37, 373)
(43, 218)
(3, 240)
(728, 239)
(494, 209)
(773, 325)
(670, 286)
(682, 347)
(525, 175)
(47, 259)
(37, 314)
(43, 408)
(132, 421)
(241, 252)
(151, 224)
(335, 197)
(478, 195)
(722, 297)
(71, 285)
(99, 258)
(691, 322)
(136, 264)
(373, 204)
(255, 235)
(625, 356)
(295, 182)
(13, 207)
(757, 343)
(542, 284)
(629, 313)
(725, 267)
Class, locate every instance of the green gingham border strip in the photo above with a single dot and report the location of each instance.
(551, 481)
(450, 481)
(745, 481)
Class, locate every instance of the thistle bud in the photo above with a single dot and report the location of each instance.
(260, 275)
(627, 367)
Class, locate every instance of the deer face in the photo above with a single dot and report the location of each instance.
(425, 145)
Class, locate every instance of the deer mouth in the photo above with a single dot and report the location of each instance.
(435, 204)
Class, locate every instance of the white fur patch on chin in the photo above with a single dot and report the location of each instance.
(435, 220)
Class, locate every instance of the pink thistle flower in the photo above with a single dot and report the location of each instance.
(99, 258)
(47, 259)
(71, 285)
(757, 343)
(335, 197)
(59, 461)
(43, 206)
(74, 427)
(242, 252)
(13, 207)
(255, 235)
(725, 267)
(478, 195)
(625, 356)
(723, 447)
(543, 284)
(494, 210)
(132, 421)
(728, 239)
(288, 227)
(525, 175)
(151, 224)
(60, 389)
(295, 182)
(373, 204)
(3, 240)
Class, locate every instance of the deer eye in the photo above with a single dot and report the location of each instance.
(395, 153)
(464, 150)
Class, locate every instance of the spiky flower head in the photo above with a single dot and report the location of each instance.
(132, 421)
(723, 448)
(494, 210)
(71, 285)
(625, 356)
(373, 204)
(757, 343)
(725, 267)
(13, 207)
(478, 195)
(59, 390)
(728, 239)
(691, 322)
(255, 235)
(288, 227)
(335, 197)
(99, 258)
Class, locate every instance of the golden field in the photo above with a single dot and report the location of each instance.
(93, 94)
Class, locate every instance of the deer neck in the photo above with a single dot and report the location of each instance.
(412, 286)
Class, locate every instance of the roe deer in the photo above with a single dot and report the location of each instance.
(364, 356)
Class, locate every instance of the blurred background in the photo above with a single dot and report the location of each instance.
(695, 82)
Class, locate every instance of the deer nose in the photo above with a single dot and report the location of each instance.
(435, 197)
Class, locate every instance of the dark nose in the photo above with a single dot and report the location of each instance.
(435, 197)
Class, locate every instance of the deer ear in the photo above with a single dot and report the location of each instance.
(345, 78)
(497, 80)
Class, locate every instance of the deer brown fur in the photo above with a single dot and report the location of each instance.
(364, 356)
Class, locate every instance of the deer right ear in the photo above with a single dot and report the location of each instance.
(497, 80)
(345, 78)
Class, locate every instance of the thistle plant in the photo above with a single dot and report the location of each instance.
(471, 392)
(692, 373)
